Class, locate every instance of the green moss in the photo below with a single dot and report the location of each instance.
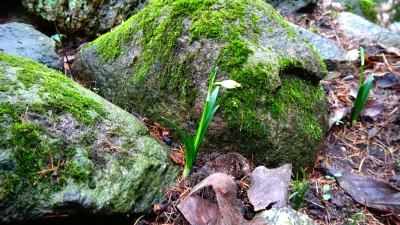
(28, 141)
(369, 10)
(294, 96)
(234, 55)
(60, 100)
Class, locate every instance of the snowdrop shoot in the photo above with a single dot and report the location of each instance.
(192, 143)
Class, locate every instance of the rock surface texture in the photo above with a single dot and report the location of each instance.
(157, 63)
(293, 5)
(326, 48)
(284, 215)
(355, 26)
(87, 17)
(65, 150)
(364, 8)
(395, 27)
(23, 40)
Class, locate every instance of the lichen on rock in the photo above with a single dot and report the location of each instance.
(62, 146)
(157, 63)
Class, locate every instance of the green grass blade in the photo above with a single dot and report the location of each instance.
(362, 97)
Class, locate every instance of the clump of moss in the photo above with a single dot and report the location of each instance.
(60, 100)
(369, 10)
(34, 154)
(29, 142)
(161, 24)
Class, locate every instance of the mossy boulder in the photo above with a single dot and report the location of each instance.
(65, 150)
(157, 63)
(84, 17)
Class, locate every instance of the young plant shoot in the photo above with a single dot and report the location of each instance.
(192, 144)
(363, 91)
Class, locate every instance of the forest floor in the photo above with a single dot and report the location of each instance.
(370, 148)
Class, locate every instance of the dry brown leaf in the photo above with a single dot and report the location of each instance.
(372, 109)
(201, 212)
(269, 186)
(338, 115)
(372, 193)
(177, 157)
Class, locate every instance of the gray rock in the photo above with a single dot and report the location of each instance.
(395, 27)
(363, 8)
(65, 150)
(357, 27)
(287, 216)
(326, 48)
(23, 40)
(158, 62)
(85, 17)
(293, 5)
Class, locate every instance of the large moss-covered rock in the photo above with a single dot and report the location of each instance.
(65, 150)
(158, 62)
(84, 17)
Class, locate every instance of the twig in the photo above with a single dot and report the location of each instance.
(65, 54)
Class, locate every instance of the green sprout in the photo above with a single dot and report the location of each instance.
(363, 91)
(300, 189)
(192, 144)
(58, 37)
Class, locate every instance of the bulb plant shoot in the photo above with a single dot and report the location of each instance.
(192, 144)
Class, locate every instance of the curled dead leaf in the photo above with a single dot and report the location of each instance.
(177, 157)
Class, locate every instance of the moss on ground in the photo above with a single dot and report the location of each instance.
(369, 10)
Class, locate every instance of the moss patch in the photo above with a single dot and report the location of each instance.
(61, 100)
(34, 154)
(369, 10)
(161, 25)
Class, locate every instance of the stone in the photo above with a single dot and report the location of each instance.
(395, 27)
(84, 17)
(285, 215)
(293, 5)
(158, 63)
(326, 48)
(65, 150)
(359, 28)
(23, 40)
(363, 8)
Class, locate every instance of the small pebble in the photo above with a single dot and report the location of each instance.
(348, 77)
